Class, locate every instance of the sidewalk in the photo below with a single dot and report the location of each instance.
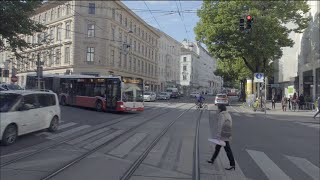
(278, 110)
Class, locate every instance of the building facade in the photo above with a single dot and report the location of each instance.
(168, 62)
(299, 67)
(92, 38)
(197, 70)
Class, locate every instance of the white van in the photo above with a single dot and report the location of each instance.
(24, 112)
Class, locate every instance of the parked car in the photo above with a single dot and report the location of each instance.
(221, 99)
(7, 87)
(149, 96)
(27, 111)
(174, 95)
(163, 95)
(194, 94)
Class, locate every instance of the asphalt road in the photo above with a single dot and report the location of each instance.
(271, 147)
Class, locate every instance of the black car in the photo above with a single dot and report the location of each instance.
(175, 95)
(7, 87)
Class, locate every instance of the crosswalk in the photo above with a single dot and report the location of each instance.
(65, 129)
(273, 172)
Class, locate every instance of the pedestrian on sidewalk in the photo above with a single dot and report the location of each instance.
(273, 101)
(284, 103)
(289, 102)
(224, 132)
(318, 112)
(301, 102)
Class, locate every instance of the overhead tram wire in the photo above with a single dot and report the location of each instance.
(185, 28)
(153, 15)
(133, 9)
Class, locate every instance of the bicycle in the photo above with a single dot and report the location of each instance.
(201, 105)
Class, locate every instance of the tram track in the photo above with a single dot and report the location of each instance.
(86, 154)
(74, 136)
(196, 159)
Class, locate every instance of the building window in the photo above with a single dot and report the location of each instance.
(92, 8)
(134, 64)
(130, 63)
(184, 59)
(120, 18)
(184, 77)
(139, 70)
(113, 34)
(113, 13)
(51, 15)
(120, 35)
(91, 30)
(45, 17)
(126, 22)
(120, 59)
(135, 45)
(135, 28)
(90, 54)
(184, 68)
(58, 56)
(142, 67)
(142, 49)
(51, 35)
(138, 47)
(125, 61)
(67, 31)
(130, 26)
(68, 9)
(67, 55)
(58, 33)
(112, 57)
(58, 12)
(39, 38)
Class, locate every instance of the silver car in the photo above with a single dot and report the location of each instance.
(163, 95)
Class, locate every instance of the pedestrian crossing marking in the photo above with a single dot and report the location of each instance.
(66, 133)
(63, 126)
(124, 148)
(87, 136)
(306, 166)
(103, 140)
(270, 169)
(249, 115)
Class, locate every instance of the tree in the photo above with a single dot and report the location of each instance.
(15, 20)
(232, 71)
(218, 29)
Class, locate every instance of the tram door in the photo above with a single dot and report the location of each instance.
(113, 91)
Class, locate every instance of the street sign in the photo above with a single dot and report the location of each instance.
(14, 79)
(258, 77)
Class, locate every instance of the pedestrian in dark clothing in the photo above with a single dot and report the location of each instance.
(289, 102)
(224, 133)
(301, 101)
(273, 101)
(318, 112)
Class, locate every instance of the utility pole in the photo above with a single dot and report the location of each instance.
(39, 70)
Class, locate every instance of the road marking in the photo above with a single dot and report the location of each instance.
(63, 126)
(87, 136)
(124, 148)
(236, 114)
(155, 155)
(232, 175)
(270, 169)
(249, 115)
(306, 166)
(103, 140)
(66, 133)
(234, 108)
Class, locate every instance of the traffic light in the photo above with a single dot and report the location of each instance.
(249, 22)
(241, 24)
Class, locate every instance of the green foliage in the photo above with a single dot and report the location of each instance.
(15, 20)
(218, 29)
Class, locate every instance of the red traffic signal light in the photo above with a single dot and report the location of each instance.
(249, 17)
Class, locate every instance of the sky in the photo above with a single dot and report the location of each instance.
(165, 16)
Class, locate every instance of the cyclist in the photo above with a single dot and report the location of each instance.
(200, 100)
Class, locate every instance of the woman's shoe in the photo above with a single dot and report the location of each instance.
(231, 168)
(210, 161)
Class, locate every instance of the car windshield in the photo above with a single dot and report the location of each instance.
(163, 93)
(222, 96)
(7, 101)
(147, 93)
